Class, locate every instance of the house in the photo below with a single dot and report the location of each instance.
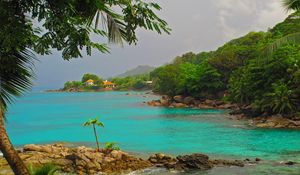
(108, 84)
(89, 82)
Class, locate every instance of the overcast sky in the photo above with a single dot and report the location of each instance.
(197, 25)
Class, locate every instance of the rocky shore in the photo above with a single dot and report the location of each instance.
(237, 112)
(83, 160)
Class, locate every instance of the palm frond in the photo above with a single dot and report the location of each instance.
(291, 38)
(291, 5)
(16, 74)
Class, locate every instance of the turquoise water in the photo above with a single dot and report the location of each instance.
(57, 117)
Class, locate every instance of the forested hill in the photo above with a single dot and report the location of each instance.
(141, 69)
(260, 70)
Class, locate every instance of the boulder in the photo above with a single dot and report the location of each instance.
(179, 105)
(188, 100)
(161, 159)
(210, 102)
(164, 102)
(191, 162)
(178, 98)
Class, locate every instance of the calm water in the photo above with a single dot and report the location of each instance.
(58, 117)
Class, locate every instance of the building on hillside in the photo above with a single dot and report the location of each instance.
(89, 82)
(108, 84)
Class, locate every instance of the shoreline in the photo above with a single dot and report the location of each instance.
(237, 112)
(83, 159)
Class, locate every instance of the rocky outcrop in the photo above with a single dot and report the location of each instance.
(276, 121)
(160, 158)
(80, 160)
(180, 101)
(200, 162)
(83, 160)
(191, 162)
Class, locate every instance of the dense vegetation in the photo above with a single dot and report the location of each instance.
(136, 82)
(80, 85)
(241, 71)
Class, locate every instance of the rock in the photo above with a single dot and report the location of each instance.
(210, 102)
(204, 106)
(257, 159)
(238, 163)
(227, 106)
(276, 121)
(290, 163)
(188, 100)
(161, 159)
(178, 98)
(179, 105)
(191, 162)
(154, 103)
(81, 160)
(164, 102)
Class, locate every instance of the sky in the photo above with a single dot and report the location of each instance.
(197, 25)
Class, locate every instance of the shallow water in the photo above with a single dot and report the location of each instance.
(57, 117)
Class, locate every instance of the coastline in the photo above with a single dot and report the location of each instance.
(236, 112)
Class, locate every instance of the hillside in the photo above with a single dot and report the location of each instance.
(141, 69)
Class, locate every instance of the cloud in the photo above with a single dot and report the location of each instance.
(237, 17)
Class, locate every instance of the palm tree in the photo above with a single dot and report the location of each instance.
(15, 78)
(94, 123)
(290, 38)
(68, 26)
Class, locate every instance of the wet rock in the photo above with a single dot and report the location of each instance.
(178, 98)
(191, 162)
(160, 158)
(238, 163)
(290, 163)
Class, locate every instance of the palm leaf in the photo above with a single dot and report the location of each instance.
(291, 4)
(291, 38)
(16, 75)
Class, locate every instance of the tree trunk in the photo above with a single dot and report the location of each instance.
(9, 153)
(95, 132)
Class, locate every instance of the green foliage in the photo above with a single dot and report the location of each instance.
(243, 69)
(280, 100)
(47, 169)
(112, 145)
(93, 122)
(137, 82)
(97, 80)
(65, 26)
(199, 80)
(73, 84)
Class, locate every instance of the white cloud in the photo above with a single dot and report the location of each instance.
(237, 17)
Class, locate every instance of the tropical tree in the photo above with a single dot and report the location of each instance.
(94, 123)
(65, 26)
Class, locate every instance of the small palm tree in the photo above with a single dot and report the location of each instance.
(94, 123)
